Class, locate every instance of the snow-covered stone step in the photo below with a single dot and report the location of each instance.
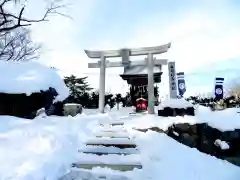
(114, 129)
(110, 159)
(113, 134)
(79, 174)
(118, 167)
(108, 150)
(116, 123)
(116, 142)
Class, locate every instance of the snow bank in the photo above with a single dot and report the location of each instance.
(43, 148)
(222, 120)
(168, 159)
(29, 77)
(175, 103)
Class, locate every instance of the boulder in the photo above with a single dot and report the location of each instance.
(189, 140)
(72, 109)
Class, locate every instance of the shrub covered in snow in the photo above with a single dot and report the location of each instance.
(26, 87)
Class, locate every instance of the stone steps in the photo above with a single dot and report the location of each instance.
(113, 142)
(118, 167)
(86, 175)
(106, 150)
(113, 135)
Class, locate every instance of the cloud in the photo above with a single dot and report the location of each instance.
(202, 33)
(59, 36)
(200, 37)
(197, 39)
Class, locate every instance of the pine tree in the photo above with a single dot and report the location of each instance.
(77, 86)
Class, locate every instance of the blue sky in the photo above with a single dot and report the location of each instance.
(204, 34)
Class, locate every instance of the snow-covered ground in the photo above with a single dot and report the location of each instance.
(222, 120)
(43, 149)
(34, 150)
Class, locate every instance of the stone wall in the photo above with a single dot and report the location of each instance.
(24, 106)
(168, 111)
(205, 138)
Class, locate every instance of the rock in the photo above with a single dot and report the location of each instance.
(156, 129)
(168, 111)
(181, 128)
(180, 111)
(193, 129)
(207, 146)
(189, 140)
(173, 112)
(162, 113)
(72, 109)
(190, 111)
(233, 159)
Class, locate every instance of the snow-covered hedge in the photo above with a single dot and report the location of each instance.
(26, 87)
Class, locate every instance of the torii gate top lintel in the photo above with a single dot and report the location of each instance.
(130, 52)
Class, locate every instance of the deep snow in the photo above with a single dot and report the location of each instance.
(45, 148)
(222, 120)
(29, 77)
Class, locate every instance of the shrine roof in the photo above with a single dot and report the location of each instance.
(140, 70)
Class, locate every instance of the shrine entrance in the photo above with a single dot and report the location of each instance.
(140, 77)
(137, 78)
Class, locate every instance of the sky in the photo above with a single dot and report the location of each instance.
(204, 35)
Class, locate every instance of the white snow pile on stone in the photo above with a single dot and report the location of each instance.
(30, 77)
(175, 103)
(226, 120)
(222, 144)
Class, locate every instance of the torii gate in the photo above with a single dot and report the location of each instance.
(125, 53)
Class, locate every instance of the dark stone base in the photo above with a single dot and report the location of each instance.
(203, 137)
(23, 106)
(167, 111)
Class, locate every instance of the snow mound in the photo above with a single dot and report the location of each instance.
(222, 144)
(43, 148)
(30, 77)
(226, 120)
(168, 160)
(175, 103)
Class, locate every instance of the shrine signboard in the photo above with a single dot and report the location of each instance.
(172, 80)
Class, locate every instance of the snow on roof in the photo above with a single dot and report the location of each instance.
(135, 70)
(175, 103)
(29, 77)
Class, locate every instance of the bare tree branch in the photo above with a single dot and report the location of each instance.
(10, 20)
(18, 46)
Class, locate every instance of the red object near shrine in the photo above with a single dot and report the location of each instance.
(141, 105)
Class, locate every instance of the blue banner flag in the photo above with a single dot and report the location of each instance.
(181, 84)
(219, 88)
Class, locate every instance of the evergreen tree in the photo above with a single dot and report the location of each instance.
(78, 87)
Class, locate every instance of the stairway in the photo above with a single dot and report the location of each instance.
(112, 147)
